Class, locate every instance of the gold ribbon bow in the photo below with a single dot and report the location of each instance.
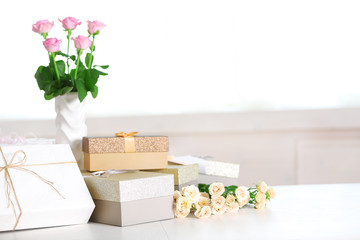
(129, 140)
(20, 165)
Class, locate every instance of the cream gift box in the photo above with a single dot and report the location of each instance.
(210, 167)
(184, 175)
(131, 198)
(46, 188)
(125, 152)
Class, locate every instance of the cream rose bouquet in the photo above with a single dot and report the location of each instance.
(59, 78)
(261, 194)
(216, 199)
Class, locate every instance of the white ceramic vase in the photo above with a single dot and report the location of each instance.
(70, 123)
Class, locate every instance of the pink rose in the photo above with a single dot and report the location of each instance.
(95, 26)
(42, 26)
(52, 44)
(70, 23)
(82, 42)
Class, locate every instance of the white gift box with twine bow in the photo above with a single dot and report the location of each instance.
(41, 186)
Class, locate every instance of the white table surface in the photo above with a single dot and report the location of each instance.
(298, 212)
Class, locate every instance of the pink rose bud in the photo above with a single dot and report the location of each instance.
(82, 42)
(70, 23)
(42, 26)
(52, 44)
(95, 26)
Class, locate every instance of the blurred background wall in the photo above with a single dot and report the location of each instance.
(272, 85)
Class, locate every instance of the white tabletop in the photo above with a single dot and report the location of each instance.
(298, 212)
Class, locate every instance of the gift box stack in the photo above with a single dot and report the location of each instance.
(128, 180)
(132, 196)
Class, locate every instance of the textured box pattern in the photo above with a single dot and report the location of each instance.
(117, 144)
(130, 186)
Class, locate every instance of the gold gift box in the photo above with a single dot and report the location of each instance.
(104, 153)
(125, 161)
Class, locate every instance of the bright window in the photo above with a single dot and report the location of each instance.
(170, 56)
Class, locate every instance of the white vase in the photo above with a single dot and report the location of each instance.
(70, 123)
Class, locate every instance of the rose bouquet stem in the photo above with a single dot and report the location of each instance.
(77, 62)
(68, 46)
(91, 53)
(55, 67)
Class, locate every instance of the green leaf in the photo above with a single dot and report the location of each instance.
(267, 196)
(232, 188)
(44, 78)
(72, 57)
(72, 76)
(100, 72)
(91, 78)
(81, 89)
(81, 66)
(61, 68)
(48, 96)
(225, 192)
(102, 66)
(203, 187)
(89, 60)
(63, 91)
(95, 92)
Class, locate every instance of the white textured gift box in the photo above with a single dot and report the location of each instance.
(40, 203)
(210, 167)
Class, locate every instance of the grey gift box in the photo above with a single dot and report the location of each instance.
(131, 198)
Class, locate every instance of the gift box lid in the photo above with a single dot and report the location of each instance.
(182, 173)
(117, 144)
(211, 167)
(129, 186)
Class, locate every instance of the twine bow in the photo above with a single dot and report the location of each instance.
(20, 165)
(129, 140)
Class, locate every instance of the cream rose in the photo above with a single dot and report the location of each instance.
(242, 203)
(218, 210)
(203, 201)
(271, 192)
(233, 207)
(242, 194)
(262, 187)
(204, 212)
(230, 199)
(218, 201)
(204, 194)
(183, 204)
(260, 197)
(177, 194)
(260, 205)
(191, 192)
(216, 189)
(181, 214)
